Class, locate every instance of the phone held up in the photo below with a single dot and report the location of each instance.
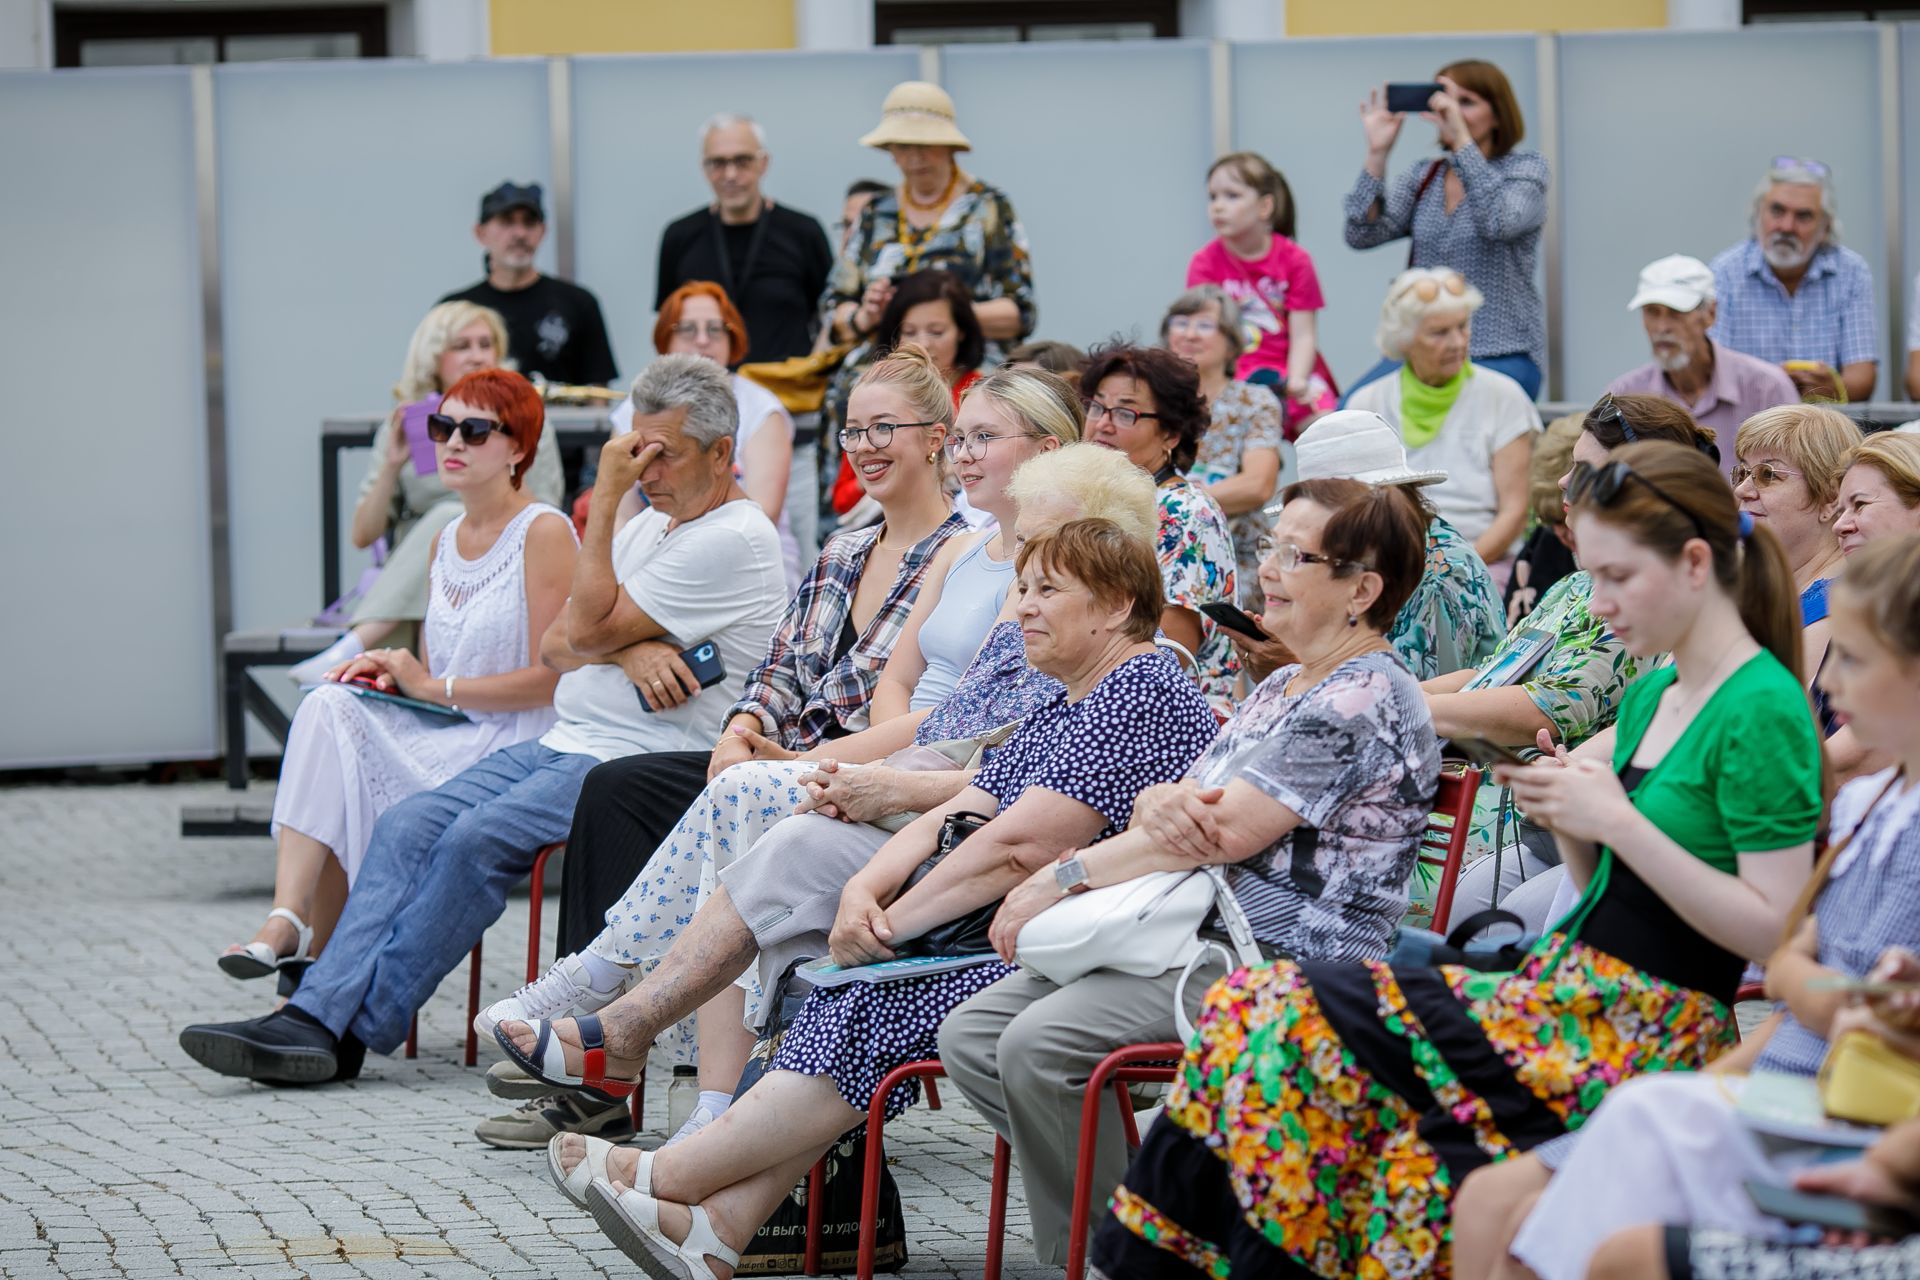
(1410, 98)
(1234, 619)
(703, 660)
(1480, 751)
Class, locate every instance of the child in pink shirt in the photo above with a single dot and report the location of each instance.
(1254, 259)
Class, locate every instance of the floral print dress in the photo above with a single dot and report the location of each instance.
(1453, 618)
(1244, 417)
(1196, 554)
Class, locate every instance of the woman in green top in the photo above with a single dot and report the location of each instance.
(1326, 1112)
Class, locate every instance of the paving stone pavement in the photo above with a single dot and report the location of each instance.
(121, 1157)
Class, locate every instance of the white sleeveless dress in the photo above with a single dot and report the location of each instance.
(349, 759)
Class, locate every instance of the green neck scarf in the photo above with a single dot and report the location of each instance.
(1424, 408)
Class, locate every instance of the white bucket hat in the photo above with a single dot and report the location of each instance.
(917, 114)
(1354, 444)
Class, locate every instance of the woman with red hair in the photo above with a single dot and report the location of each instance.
(500, 574)
(699, 319)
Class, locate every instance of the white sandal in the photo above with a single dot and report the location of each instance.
(257, 959)
(573, 1184)
(631, 1219)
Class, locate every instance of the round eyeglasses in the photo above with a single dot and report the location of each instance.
(976, 443)
(878, 434)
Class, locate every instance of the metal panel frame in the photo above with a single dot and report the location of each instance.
(1893, 162)
(206, 186)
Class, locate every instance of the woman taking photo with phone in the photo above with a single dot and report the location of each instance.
(1326, 1113)
(1478, 208)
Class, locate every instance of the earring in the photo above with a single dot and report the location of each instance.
(513, 469)
(933, 457)
(1353, 620)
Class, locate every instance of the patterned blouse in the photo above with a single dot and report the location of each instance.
(1244, 417)
(1453, 618)
(1492, 238)
(1197, 561)
(997, 688)
(803, 692)
(978, 238)
(1579, 681)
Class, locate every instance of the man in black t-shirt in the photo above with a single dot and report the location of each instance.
(554, 328)
(772, 261)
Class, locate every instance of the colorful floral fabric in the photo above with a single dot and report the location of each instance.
(1453, 618)
(1348, 1102)
(1197, 560)
(1244, 417)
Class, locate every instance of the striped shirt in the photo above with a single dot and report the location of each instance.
(1829, 318)
(1492, 238)
(806, 690)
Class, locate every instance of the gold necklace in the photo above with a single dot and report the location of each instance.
(939, 202)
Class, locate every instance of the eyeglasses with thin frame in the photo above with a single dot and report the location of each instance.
(975, 444)
(878, 434)
(720, 164)
(1122, 416)
(1800, 164)
(1288, 556)
(440, 429)
(1198, 326)
(1763, 474)
(689, 329)
(1603, 484)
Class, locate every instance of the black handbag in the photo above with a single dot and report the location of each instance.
(1424, 949)
(967, 935)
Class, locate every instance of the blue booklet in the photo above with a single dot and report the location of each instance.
(825, 973)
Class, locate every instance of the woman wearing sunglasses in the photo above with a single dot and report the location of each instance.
(500, 571)
(402, 501)
(1354, 1098)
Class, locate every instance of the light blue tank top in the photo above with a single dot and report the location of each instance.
(970, 600)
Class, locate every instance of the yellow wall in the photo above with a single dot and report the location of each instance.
(638, 26)
(1382, 17)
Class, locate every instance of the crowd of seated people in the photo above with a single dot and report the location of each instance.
(1093, 616)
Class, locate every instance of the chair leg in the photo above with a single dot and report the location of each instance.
(997, 1207)
(413, 1037)
(1127, 1126)
(933, 1094)
(816, 1216)
(473, 1005)
(536, 895)
(870, 1176)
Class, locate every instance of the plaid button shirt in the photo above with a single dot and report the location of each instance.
(1828, 318)
(801, 691)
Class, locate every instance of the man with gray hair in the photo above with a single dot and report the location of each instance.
(1793, 295)
(699, 568)
(771, 260)
(1720, 387)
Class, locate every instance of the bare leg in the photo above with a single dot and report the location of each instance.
(702, 963)
(296, 873)
(1637, 1253)
(725, 1042)
(329, 900)
(1485, 1217)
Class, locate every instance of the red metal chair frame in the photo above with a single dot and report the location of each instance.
(1444, 845)
(926, 1071)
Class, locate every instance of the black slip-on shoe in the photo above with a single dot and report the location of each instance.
(284, 1047)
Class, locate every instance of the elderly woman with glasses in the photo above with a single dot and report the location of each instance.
(1239, 459)
(1473, 423)
(1145, 402)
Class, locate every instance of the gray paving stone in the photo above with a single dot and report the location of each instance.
(160, 1169)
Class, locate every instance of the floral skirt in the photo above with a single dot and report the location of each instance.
(1325, 1113)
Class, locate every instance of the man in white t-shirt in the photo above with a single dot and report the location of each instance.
(700, 567)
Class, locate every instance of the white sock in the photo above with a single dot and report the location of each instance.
(603, 974)
(345, 648)
(714, 1101)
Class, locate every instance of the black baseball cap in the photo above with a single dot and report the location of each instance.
(509, 195)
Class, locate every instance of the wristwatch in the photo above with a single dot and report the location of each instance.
(1070, 876)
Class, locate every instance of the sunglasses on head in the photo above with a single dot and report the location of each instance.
(440, 429)
(1800, 164)
(1602, 485)
(1608, 413)
(1428, 289)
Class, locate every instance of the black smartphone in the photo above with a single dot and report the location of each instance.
(1837, 1212)
(1410, 97)
(703, 660)
(1480, 751)
(1235, 619)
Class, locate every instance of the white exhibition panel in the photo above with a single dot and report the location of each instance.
(108, 642)
(1673, 130)
(1297, 102)
(1103, 150)
(348, 192)
(636, 159)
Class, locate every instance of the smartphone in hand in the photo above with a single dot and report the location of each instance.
(703, 660)
(1481, 751)
(1234, 618)
(1834, 1212)
(1410, 98)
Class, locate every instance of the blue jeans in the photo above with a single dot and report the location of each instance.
(1520, 368)
(436, 875)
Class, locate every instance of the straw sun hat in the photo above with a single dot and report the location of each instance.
(917, 114)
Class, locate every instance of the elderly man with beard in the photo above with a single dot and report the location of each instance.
(1792, 295)
(554, 328)
(1719, 386)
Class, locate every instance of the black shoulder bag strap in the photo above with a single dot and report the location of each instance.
(1433, 171)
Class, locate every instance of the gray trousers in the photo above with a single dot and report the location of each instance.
(1021, 1052)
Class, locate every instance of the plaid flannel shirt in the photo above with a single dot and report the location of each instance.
(800, 692)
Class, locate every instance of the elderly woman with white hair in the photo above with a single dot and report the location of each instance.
(402, 500)
(1239, 460)
(1473, 423)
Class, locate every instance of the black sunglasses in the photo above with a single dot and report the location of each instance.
(440, 429)
(1603, 484)
(1607, 412)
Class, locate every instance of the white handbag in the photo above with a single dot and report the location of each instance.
(1146, 926)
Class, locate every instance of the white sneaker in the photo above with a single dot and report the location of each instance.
(562, 992)
(699, 1120)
